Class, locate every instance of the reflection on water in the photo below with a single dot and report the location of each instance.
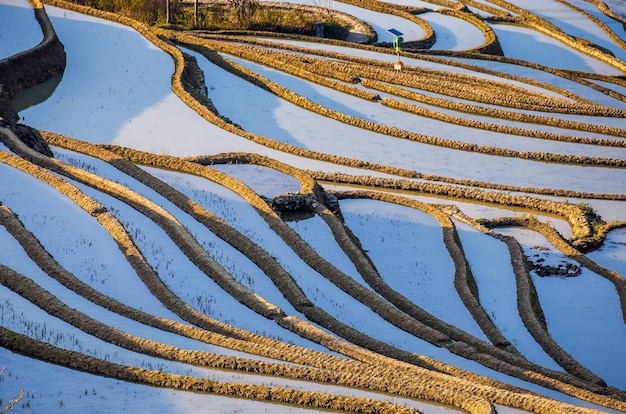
(296, 215)
(36, 94)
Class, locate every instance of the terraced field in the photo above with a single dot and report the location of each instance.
(247, 222)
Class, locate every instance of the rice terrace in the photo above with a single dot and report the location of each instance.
(401, 206)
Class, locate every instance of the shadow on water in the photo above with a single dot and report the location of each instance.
(112, 75)
(296, 216)
(36, 94)
(262, 112)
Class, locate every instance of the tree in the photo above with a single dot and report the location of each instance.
(326, 6)
(243, 9)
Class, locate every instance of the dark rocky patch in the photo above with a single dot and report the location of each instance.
(563, 269)
(30, 137)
